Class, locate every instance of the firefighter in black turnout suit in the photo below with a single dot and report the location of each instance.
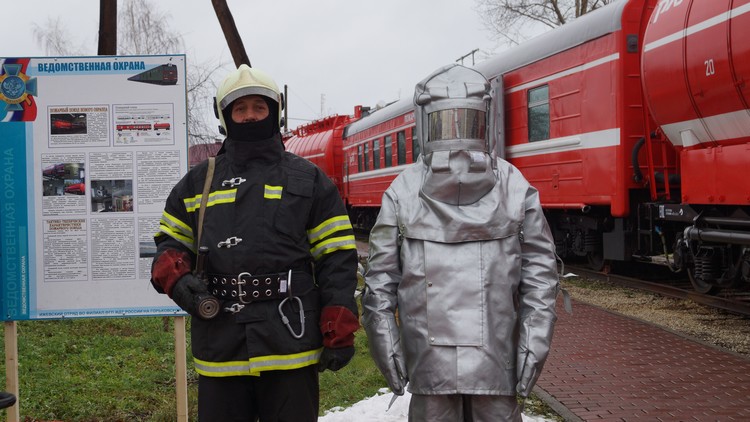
(279, 255)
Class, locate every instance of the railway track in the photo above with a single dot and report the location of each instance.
(734, 301)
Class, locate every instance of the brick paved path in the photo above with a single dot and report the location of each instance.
(607, 367)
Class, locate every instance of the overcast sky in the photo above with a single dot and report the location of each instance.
(332, 54)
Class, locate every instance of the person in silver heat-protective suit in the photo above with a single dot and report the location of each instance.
(276, 256)
(461, 284)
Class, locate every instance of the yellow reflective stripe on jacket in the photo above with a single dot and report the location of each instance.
(328, 227)
(255, 366)
(272, 192)
(218, 197)
(176, 229)
(333, 244)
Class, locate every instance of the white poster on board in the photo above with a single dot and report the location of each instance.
(90, 148)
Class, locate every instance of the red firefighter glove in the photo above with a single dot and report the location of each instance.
(169, 267)
(338, 325)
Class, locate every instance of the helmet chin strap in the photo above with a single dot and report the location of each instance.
(458, 177)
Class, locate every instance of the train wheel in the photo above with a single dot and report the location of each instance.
(700, 285)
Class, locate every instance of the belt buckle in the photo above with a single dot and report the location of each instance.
(241, 294)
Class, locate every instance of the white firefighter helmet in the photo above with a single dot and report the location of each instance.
(452, 126)
(246, 81)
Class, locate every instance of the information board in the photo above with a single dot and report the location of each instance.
(90, 147)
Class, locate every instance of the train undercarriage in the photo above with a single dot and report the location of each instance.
(710, 244)
(363, 218)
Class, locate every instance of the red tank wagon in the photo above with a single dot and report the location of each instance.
(696, 77)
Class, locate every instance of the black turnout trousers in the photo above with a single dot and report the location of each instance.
(274, 396)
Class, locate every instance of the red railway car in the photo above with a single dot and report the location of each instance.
(633, 123)
(320, 142)
(376, 150)
(574, 113)
(134, 126)
(696, 78)
(60, 124)
(55, 170)
(76, 188)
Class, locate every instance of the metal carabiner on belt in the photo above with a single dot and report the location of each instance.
(284, 319)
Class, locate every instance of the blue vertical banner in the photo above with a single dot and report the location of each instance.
(90, 148)
(14, 220)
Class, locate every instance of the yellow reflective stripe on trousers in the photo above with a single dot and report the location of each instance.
(272, 192)
(255, 366)
(333, 244)
(218, 197)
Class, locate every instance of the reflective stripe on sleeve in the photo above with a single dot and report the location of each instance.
(176, 229)
(326, 228)
(333, 244)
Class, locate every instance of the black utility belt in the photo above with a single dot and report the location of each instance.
(246, 288)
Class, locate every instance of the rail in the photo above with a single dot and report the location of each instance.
(737, 302)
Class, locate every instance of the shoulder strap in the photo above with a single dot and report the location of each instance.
(204, 197)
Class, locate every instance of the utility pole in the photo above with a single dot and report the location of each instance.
(107, 28)
(234, 41)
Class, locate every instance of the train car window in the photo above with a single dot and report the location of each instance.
(538, 113)
(376, 154)
(415, 149)
(388, 156)
(366, 156)
(401, 147)
(360, 167)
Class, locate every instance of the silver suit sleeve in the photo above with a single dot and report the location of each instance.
(380, 299)
(537, 294)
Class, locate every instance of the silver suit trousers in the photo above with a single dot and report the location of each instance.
(463, 408)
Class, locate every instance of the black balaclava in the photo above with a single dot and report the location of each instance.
(253, 131)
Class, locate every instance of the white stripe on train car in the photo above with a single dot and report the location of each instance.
(700, 26)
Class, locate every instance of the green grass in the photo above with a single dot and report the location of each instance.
(122, 369)
(97, 369)
(358, 380)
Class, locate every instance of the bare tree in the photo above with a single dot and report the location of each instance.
(55, 39)
(200, 94)
(145, 30)
(511, 20)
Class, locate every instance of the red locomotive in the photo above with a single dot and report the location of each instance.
(165, 74)
(632, 121)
